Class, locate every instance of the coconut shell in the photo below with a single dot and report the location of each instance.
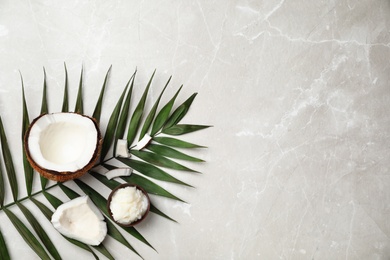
(66, 175)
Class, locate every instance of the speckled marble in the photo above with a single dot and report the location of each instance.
(298, 93)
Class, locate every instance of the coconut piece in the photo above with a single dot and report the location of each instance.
(143, 142)
(100, 169)
(80, 219)
(122, 149)
(63, 146)
(119, 172)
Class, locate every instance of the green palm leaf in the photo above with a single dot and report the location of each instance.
(44, 110)
(112, 184)
(160, 213)
(27, 235)
(68, 191)
(79, 107)
(40, 232)
(136, 118)
(180, 112)
(98, 108)
(82, 245)
(183, 129)
(160, 160)
(171, 153)
(54, 201)
(170, 141)
(112, 123)
(65, 101)
(44, 106)
(9, 165)
(151, 171)
(116, 234)
(147, 185)
(3, 248)
(103, 250)
(149, 118)
(28, 170)
(164, 114)
(150, 186)
(2, 187)
(43, 208)
(120, 130)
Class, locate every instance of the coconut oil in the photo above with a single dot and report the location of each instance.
(128, 204)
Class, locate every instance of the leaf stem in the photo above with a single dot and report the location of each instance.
(41, 191)
(27, 197)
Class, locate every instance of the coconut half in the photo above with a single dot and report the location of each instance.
(80, 219)
(63, 146)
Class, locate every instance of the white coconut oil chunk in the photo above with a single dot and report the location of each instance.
(143, 142)
(119, 172)
(128, 205)
(80, 219)
(121, 148)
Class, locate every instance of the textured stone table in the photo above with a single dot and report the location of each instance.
(298, 93)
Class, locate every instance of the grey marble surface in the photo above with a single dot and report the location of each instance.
(298, 95)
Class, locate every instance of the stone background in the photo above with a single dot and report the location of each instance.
(297, 93)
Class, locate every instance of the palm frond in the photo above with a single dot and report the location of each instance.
(147, 167)
(68, 191)
(180, 112)
(28, 170)
(27, 235)
(103, 250)
(136, 118)
(65, 99)
(183, 129)
(44, 110)
(39, 231)
(4, 254)
(174, 142)
(98, 108)
(54, 201)
(159, 160)
(152, 113)
(112, 124)
(9, 165)
(123, 118)
(164, 114)
(2, 186)
(151, 171)
(150, 186)
(171, 153)
(44, 105)
(79, 107)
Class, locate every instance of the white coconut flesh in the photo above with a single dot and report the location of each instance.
(63, 141)
(122, 149)
(80, 219)
(119, 172)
